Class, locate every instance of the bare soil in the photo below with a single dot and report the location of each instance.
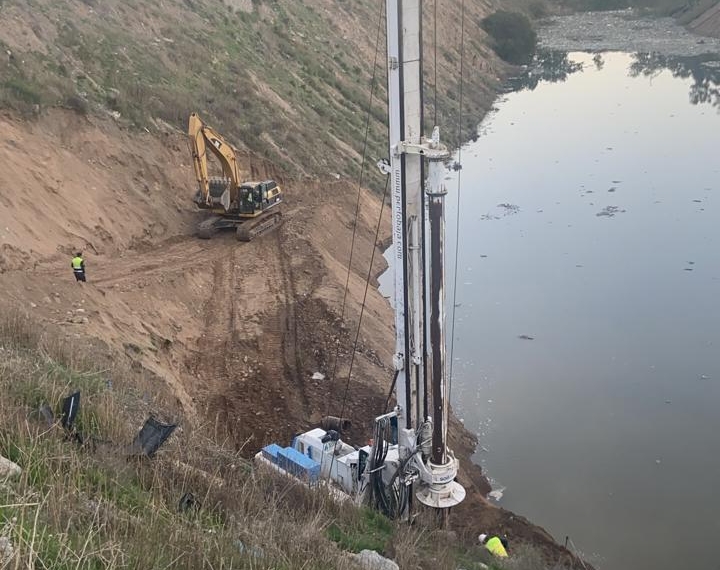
(233, 332)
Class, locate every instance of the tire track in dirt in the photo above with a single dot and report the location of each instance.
(174, 255)
(247, 357)
(283, 333)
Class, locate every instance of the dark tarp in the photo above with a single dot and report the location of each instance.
(70, 408)
(152, 435)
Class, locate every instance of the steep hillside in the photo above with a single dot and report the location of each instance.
(288, 80)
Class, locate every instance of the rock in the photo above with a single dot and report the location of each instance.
(6, 550)
(8, 469)
(371, 560)
(112, 96)
(78, 320)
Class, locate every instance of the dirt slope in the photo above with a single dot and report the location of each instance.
(231, 332)
(707, 23)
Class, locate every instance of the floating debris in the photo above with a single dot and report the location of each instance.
(610, 211)
(318, 376)
(509, 208)
(612, 189)
(704, 377)
(698, 201)
(526, 337)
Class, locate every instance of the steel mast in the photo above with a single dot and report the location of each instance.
(423, 454)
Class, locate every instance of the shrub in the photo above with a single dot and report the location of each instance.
(77, 104)
(23, 90)
(514, 39)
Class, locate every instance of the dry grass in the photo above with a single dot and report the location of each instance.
(90, 506)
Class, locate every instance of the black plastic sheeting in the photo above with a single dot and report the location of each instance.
(70, 408)
(152, 435)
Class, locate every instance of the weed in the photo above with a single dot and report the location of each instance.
(369, 531)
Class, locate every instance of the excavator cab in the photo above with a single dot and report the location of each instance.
(256, 197)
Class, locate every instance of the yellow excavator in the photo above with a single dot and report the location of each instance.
(251, 207)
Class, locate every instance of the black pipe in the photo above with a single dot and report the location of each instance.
(437, 336)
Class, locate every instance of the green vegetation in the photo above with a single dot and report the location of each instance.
(371, 531)
(280, 80)
(25, 91)
(91, 507)
(514, 39)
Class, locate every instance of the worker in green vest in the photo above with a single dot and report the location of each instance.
(78, 267)
(496, 545)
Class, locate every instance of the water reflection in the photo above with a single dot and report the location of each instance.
(585, 351)
(548, 65)
(703, 69)
(553, 66)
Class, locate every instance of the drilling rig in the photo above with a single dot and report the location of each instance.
(409, 457)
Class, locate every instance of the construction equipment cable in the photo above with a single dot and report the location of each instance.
(362, 308)
(357, 205)
(457, 213)
(435, 63)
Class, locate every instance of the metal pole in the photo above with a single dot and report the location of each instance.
(441, 490)
(437, 333)
(436, 206)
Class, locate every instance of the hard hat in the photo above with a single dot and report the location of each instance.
(482, 538)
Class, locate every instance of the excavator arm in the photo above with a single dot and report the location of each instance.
(202, 138)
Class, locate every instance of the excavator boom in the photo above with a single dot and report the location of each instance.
(202, 138)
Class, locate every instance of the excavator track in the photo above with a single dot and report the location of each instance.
(207, 228)
(250, 230)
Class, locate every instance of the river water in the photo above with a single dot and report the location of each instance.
(586, 348)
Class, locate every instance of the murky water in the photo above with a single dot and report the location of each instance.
(587, 333)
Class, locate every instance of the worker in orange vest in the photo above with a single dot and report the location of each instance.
(495, 545)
